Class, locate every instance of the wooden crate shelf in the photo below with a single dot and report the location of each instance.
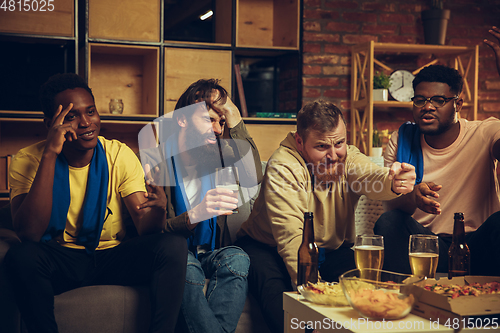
(55, 20)
(185, 66)
(130, 20)
(267, 23)
(126, 72)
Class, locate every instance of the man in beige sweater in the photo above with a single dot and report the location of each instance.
(456, 163)
(272, 234)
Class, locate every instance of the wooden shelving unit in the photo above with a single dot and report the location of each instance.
(364, 60)
(145, 52)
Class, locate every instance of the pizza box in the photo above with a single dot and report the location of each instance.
(441, 307)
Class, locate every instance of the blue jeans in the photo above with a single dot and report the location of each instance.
(220, 309)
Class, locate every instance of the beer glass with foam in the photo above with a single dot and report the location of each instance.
(423, 251)
(369, 251)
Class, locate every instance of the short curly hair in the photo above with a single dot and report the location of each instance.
(319, 115)
(56, 84)
(443, 74)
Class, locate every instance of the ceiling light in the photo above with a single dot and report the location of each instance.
(206, 15)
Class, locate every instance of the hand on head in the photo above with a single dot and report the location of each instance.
(403, 177)
(495, 32)
(59, 132)
(226, 108)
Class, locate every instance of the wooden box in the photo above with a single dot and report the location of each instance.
(133, 20)
(129, 73)
(267, 23)
(54, 19)
(185, 66)
(183, 21)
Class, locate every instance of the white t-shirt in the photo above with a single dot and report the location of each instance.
(467, 171)
(192, 185)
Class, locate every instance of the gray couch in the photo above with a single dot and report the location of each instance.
(107, 309)
(113, 309)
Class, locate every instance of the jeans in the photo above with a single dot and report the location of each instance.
(220, 309)
(38, 271)
(397, 226)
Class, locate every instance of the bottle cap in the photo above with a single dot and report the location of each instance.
(459, 215)
(308, 215)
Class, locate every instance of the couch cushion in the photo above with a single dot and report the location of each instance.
(251, 320)
(367, 213)
(107, 309)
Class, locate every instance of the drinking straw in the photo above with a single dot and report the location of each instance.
(220, 151)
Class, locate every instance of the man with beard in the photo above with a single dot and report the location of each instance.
(198, 210)
(455, 160)
(272, 234)
(69, 194)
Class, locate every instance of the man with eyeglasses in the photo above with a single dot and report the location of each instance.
(455, 161)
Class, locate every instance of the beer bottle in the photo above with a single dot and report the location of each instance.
(308, 254)
(458, 253)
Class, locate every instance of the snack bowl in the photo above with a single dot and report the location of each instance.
(378, 294)
(326, 293)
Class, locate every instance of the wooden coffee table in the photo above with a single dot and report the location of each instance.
(299, 312)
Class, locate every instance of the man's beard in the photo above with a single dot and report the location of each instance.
(324, 174)
(440, 130)
(206, 155)
(442, 127)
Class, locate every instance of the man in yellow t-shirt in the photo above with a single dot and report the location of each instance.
(457, 160)
(67, 195)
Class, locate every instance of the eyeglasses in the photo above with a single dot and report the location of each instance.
(436, 101)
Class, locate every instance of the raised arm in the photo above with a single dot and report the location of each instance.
(243, 142)
(421, 197)
(31, 212)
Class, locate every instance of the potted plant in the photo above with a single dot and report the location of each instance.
(376, 144)
(381, 84)
(435, 21)
(379, 139)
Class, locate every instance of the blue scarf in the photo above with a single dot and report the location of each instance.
(205, 231)
(94, 206)
(409, 148)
